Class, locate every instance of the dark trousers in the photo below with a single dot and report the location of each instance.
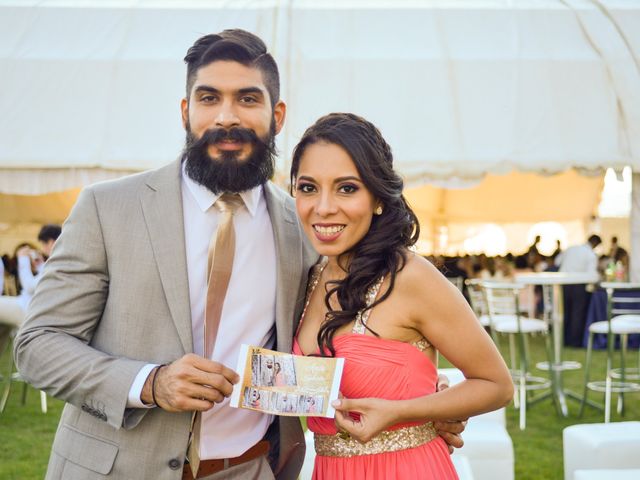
(576, 304)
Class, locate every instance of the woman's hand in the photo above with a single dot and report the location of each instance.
(376, 415)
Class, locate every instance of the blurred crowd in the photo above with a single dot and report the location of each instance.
(610, 265)
(588, 258)
(20, 272)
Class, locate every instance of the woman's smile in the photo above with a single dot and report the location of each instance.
(328, 232)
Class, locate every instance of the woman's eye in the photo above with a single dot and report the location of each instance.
(348, 189)
(305, 188)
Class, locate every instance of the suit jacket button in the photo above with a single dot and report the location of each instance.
(174, 464)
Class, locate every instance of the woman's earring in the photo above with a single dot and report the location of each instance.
(378, 210)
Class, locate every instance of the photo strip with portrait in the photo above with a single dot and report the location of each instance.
(285, 384)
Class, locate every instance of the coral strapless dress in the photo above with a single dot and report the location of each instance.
(389, 369)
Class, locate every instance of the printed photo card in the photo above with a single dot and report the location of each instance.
(285, 384)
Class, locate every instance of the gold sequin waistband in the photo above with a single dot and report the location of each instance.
(386, 441)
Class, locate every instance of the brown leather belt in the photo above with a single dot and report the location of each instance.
(209, 467)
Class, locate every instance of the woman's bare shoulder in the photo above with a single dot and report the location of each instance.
(417, 272)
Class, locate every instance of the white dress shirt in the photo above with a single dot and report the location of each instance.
(578, 259)
(248, 314)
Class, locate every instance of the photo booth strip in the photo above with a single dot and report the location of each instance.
(284, 384)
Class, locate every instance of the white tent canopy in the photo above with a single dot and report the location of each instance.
(458, 88)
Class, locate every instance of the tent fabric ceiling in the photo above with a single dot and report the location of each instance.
(39, 209)
(515, 197)
(37, 181)
(459, 89)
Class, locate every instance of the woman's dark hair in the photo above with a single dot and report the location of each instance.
(382, 251)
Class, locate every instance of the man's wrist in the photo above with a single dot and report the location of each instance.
(146, 395)
(156, 372)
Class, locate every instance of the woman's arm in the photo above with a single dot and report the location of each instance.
(441, 314)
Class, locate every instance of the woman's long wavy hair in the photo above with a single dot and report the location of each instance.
(382, 251)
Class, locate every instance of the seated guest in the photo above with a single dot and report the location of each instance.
(30, 265)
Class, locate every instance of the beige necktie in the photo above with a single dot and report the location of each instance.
(219, 267)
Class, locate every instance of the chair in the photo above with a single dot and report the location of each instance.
(8, 375)
(5, 374)
(458, 282)
(623, 319)
(487, 444)
(309, 457)
(608, 450)
(476, 299)
(606, 473)
(10, 316)
(463, 467)
(479, 307)
(10, 287)
(503, 305)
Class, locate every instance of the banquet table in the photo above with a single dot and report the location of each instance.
(555, 281)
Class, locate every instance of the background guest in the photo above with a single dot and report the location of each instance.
(29, 267)
(577, 259)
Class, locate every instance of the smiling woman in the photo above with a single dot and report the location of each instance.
(385, 310)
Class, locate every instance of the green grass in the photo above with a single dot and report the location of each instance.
(538, 449)
(26, 433)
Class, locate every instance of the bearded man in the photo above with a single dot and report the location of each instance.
(119, 327)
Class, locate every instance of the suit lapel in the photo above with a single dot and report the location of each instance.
(289, 262)
(162, 209)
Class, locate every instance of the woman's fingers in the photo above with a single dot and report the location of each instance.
(372, 417)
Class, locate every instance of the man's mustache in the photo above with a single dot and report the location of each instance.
(233, 134)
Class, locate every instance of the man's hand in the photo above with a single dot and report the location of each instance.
(449, 430)
(191, 383)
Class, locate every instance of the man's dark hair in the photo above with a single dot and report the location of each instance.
(594, 240)
(49, 232)
(238, 46)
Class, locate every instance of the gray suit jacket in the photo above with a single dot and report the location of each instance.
(113, 297)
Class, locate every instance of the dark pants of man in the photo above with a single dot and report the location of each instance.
(576, 304)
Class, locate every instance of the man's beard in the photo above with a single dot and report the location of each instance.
(226, 173)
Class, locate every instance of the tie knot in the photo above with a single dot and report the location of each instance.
(228, 202)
